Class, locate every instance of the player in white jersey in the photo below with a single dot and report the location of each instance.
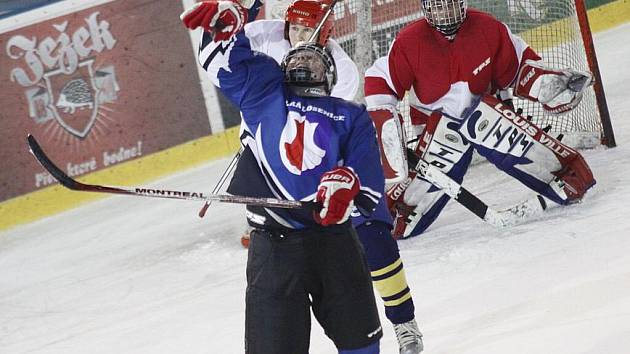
(276, 37)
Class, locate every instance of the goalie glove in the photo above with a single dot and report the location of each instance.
(559, 91)
(222, 18)
(336, 192)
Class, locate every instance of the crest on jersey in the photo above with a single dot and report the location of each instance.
(298, 149)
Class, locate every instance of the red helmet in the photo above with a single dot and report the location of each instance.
(308, 13)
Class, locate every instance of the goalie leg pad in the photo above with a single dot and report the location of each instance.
(441, 144)
(391, 140)
(412, 221)
(576, 177)
(416, 203)
(526, 152)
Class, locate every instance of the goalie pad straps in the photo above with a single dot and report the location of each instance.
(415, 203)
(559, 91)
(401, 211)
(526, 152)
(391, 140)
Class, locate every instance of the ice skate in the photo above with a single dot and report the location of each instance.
(409, 337)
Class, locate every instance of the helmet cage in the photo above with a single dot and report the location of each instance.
(309, 70)
(446, 16)
(309, 13)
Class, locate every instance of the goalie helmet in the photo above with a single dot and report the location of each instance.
(446, 16)
(309, 70)
(309, 13)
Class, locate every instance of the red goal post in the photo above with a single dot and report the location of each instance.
(557, 29)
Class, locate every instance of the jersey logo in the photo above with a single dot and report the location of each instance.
(298, 149)
(480, 67)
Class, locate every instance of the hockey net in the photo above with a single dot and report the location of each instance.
(365, 29)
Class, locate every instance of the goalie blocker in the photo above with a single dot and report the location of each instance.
(507, 140)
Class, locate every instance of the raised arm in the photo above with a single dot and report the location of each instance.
(245, 77)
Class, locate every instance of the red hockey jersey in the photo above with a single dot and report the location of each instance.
(447, 75)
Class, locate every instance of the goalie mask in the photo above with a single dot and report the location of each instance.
(446, 16)
(309, 70)
(309, 13)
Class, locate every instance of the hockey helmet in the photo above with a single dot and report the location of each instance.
(309, 70)
(309, 13)
(446, 16)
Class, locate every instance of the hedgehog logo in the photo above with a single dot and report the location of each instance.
(75, 94)
(76, 106)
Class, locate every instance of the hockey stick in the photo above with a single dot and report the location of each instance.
(73, 184)
(501, 218)
(221, 181)
(315, 33)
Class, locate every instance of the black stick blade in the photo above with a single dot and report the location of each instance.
(50, 166)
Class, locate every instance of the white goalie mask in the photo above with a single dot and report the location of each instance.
(446, 16)
(309, 70)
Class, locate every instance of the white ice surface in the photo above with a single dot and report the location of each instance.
(134, 275)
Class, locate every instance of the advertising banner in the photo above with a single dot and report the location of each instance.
(96, 87)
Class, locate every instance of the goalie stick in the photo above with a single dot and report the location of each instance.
(499, 218)
(73, 184)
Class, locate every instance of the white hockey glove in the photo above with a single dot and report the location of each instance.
(391, 140)
(222, 18)
(336, 192)
(559, 91)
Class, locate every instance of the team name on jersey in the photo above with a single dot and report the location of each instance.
(311, 108)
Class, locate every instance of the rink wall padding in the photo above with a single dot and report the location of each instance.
(151, 119)
(97, 87)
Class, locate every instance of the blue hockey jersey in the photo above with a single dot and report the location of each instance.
(291, 141)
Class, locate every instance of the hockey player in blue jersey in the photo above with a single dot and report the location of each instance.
(302, 145)
(386, 266)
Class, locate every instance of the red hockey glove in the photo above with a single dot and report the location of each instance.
(336, 192)
(222, 18)
(576, 177)
(400, 213)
